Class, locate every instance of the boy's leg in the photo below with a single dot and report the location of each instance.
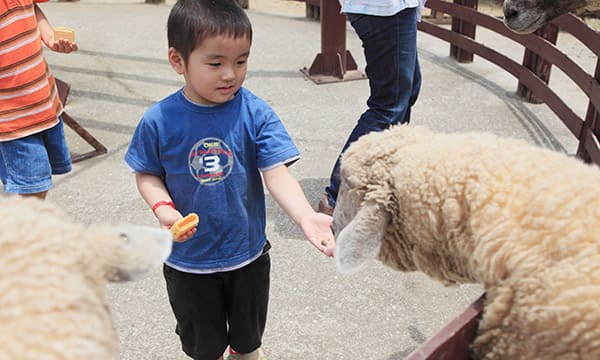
(27, 164)
(24, 166)
(247, 297)
(199, 308)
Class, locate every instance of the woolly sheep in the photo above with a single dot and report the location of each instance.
(54, 272)
(475, 208)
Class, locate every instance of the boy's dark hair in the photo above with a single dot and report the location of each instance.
(192, 21)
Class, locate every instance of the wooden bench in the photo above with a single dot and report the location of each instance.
(63, 94)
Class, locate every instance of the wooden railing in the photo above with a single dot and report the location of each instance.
(452, 342)
(534, 73)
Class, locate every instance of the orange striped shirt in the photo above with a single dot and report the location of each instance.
(29, 100)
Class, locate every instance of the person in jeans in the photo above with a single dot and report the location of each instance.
(388, 32)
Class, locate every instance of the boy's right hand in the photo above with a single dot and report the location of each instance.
(185, 236)
(59, 45)
(63, 46)
(167, 216)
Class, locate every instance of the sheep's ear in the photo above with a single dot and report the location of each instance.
(361, 239)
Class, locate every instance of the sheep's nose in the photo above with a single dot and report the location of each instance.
(510, 13)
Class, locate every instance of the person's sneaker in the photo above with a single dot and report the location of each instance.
(324, 206)
(257, 354)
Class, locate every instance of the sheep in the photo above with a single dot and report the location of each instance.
(54, 272)
(476, 208)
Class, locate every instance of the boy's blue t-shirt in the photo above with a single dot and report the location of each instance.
(209, 158)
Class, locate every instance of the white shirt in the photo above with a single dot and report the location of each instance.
(380, 7)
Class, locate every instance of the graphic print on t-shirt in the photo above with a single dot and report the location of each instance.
(210, 161)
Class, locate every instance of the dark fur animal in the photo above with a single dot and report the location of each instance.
(526, 16)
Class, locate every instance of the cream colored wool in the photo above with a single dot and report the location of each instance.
(52, 284)
(474, 208)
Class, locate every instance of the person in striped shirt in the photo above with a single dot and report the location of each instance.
(32, 140)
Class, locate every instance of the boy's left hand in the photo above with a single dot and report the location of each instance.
(317, 229)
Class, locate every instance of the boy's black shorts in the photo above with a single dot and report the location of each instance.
(220, 309)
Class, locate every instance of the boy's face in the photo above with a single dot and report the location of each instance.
(215, 70)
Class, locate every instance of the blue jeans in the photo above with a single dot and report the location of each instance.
(390, 48)
(27, 164)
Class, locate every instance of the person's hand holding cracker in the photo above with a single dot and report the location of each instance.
(62, 40)
(185, 227)
(167, 217)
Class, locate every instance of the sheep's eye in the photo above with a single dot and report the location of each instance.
(348, 181)
(124, 238)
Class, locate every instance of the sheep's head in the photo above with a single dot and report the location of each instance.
(125, 252)
(365, 201)
(359, 223)
(526, 16)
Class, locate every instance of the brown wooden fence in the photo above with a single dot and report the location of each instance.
(452, 342)
(533, 74)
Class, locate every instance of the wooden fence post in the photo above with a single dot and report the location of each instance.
(540, 67)
(590, 124)
(465, 28)
(334, 63)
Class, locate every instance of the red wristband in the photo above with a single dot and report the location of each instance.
(162, 203)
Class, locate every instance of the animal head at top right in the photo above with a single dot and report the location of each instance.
(526, 16)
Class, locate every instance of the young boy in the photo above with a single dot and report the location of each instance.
(32, 140)
(203, 150)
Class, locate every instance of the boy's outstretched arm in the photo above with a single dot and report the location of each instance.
(47, 33)
(289, 195)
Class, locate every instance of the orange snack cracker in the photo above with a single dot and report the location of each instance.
(183, 225)
(64, 33)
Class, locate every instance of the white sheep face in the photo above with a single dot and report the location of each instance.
(359, 230)
(142, 249)
(365, 202)
(359, 223)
